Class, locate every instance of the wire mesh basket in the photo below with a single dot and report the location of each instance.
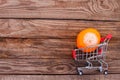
(99, 55)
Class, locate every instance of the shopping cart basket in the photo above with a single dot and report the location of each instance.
(98, 55)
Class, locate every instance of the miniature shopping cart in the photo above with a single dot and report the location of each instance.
(98, 55)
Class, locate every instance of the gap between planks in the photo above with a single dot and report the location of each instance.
(92, 20)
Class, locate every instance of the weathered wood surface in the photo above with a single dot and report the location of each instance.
(37, 46)
(60, 77)
(46, 48)
(28, 28)
(61, 9)
(48, 66)
(50, 38)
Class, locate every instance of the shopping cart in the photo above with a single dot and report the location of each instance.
(98, 55)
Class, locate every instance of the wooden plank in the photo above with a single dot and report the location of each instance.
(59, 77)
(28, 28)
(46, 48)
(49, 37)
(48, 66)
(27, 38)
(61, 9)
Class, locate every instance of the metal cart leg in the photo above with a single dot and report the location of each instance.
(101, 66)
(89, 64)
(106, 66)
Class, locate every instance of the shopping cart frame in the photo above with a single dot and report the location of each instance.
(99, 55)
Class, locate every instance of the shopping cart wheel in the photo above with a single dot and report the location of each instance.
(106, 72)
(80, 72)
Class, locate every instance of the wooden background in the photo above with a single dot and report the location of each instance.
(37, 36)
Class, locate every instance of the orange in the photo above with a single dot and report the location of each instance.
(88, 37)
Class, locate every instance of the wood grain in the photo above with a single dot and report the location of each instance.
(46, 48)
(20, 38)
(43, 47)
(28, 28)
(48, 66)
(59, 77)
(61, 9)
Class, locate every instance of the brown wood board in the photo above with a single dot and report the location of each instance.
(36, 28)
(46, 48)
(61, 9)
(21, 38)
(48, 66)
(59, 77)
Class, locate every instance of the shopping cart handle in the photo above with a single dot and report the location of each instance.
(109, 36)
